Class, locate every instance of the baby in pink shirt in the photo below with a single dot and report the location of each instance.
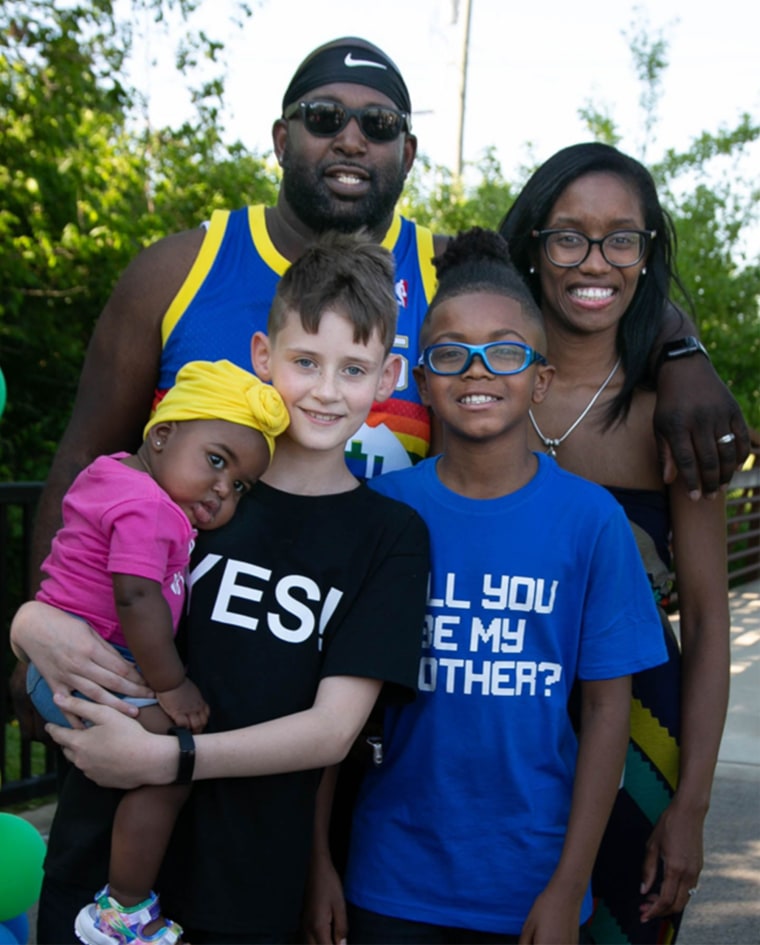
(120, 561)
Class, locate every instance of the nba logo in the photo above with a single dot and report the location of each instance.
(402, 292)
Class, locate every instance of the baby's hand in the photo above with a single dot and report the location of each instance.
(185, 706)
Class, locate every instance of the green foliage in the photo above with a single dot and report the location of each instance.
(61, 157)
(650, 61)
(713, 203)
(600, 123)
(435, 197)
(713, 206)
(13, 755)
(82, 193)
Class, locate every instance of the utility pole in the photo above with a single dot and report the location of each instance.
(463, 80)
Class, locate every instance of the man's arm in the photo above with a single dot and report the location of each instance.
(119, 374)
(694, 410)
(117, 751)
(603, 741)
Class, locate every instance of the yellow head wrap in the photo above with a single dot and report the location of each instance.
(220, 390)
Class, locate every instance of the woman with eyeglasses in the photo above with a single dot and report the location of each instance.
(589, 235)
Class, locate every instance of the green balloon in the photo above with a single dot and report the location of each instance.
(22, 851)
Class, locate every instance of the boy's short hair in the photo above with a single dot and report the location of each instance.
(347, 272)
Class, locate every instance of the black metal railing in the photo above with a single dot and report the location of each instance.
(27, 768)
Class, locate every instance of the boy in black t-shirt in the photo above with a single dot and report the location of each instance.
(301, 609)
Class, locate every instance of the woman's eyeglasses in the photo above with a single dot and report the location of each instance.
(499, 357)
(568, 248)
(327, 119)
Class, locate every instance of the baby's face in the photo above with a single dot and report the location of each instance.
(207, 465)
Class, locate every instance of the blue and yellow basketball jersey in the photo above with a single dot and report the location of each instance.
(226, 298)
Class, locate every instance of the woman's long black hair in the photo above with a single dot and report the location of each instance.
(642, 321)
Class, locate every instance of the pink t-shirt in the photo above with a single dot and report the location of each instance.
(116, 520)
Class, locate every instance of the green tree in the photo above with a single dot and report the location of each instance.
(436, 197)
(712, 215)
(711, 192)
(62, 156)
(649, 51)
(83, 191)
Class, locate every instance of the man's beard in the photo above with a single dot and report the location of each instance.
(319, 209)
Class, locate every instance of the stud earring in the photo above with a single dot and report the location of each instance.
(644, 271)
(532, 270)
(158, 442)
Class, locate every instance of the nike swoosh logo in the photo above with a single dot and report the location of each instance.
(352, 63)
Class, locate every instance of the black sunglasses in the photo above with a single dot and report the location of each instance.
(327, 119)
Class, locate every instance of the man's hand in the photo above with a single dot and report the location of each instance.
(699, 426)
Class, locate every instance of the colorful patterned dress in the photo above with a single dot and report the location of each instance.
(651, 768)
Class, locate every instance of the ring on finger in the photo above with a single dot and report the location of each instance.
(726, 438)
(693, 891)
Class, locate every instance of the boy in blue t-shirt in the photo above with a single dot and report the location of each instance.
(483, 821)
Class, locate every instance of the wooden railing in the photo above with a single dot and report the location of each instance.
(743, 510)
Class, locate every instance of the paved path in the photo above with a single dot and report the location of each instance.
(726, 910)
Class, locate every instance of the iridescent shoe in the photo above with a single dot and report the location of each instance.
(107, 922)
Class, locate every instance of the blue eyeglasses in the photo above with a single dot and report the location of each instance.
(499, 357)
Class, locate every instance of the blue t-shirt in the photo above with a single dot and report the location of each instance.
(463, 824)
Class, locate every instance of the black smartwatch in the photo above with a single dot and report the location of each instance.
(680, 348)
(186, 754)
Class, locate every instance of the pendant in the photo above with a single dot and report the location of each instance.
(551, 447)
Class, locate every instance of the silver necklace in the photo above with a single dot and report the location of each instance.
(551, 443)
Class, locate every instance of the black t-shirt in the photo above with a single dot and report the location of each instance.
(292, 590)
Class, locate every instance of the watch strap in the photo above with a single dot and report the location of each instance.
(680, 348)
(186, 754)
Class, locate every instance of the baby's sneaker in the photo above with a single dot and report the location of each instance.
(107, 922)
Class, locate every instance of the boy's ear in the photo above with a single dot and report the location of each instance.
(389, 375)
(542, 381)
(420, 377)
(261, 356)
